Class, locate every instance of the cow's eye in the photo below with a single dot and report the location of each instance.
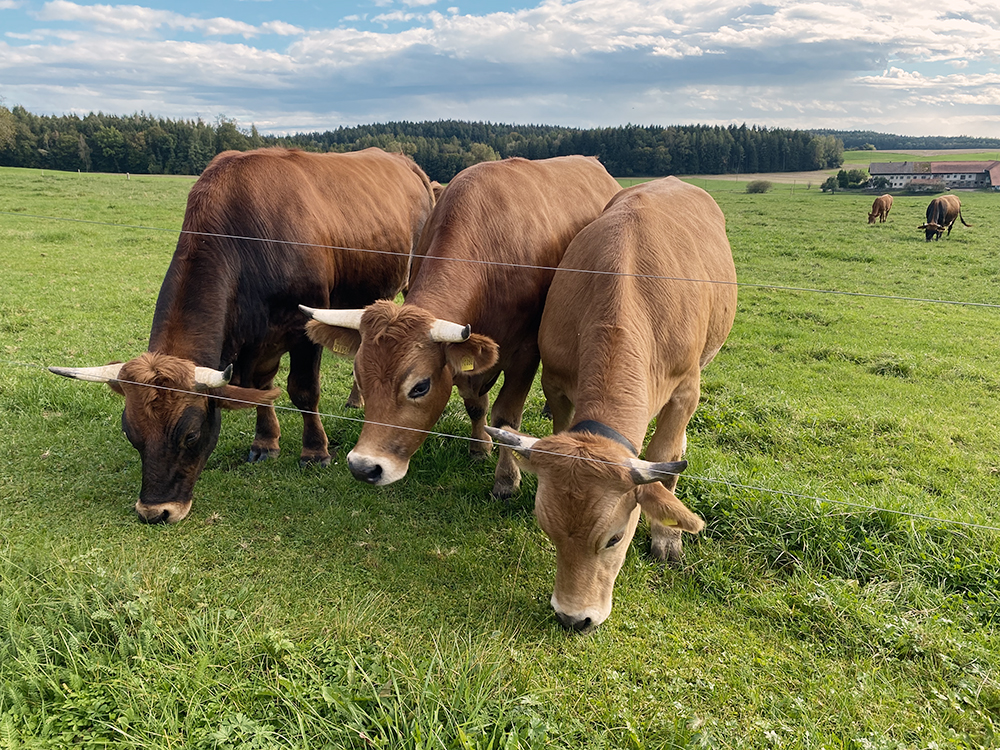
(421, 389)
(191, 439)
(613, 541)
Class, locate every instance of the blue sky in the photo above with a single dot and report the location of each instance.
(915, 68)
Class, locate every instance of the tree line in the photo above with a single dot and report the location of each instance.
(856, 140)
(144, 144)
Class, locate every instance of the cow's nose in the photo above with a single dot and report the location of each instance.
(365, 471)
(577, 624)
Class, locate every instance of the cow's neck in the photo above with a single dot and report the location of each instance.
(190, 319)
(611, 384)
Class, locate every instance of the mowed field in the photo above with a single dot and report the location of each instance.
(844, 594)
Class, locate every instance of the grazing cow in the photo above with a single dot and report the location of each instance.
(484, 264)
(880, 209)
(618, 350)
(263, 231)
(941, 214)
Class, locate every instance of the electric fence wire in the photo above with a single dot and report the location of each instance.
(734, 485)
(687, 476)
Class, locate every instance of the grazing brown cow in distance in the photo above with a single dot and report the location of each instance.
(880, 209)
(484, 265)
(263, 231)
(941, 214)
(617, 351)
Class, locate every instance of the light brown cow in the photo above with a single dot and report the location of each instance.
(941, 214)
(880, 209)
(484, 264)
(263, 231)
(618, 351)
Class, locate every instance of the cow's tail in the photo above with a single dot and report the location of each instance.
(962, 219)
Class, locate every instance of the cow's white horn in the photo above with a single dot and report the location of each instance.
(341, 318)
(206, 377)
(444, 331)
(101, 374)
(646, 472)
(520, 443)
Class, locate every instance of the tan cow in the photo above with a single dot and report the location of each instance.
(263, 230)
(484, 264)
(880, 209)
(941, 214)
(618, 351)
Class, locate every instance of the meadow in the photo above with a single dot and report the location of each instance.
(845, 593)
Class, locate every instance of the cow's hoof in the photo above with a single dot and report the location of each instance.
(321, 461)
(262, 454)
(504, 489)
(667, 548)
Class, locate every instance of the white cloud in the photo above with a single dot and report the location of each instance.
(137, 20)
(794, 63)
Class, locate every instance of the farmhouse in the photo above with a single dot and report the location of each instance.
(935, 175)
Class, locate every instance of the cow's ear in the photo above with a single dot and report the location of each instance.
(473, 356)
(342, 341)
(661, 505)
(116, 387)
(235, 397)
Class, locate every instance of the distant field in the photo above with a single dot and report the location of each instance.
(844, 595)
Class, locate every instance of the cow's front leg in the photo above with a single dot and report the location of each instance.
(265, 439)
(303, 390)
(477, 407)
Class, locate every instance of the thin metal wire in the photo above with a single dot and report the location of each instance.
(686, 476)
(503, 264)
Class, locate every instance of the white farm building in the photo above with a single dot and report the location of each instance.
(934, 175)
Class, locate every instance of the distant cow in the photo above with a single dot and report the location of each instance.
(643, 300)
(941, 214)
(484, 264)
(880, 209)
(263, 231)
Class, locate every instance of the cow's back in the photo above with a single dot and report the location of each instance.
(514, 218)
(655, 295)
(271, 228)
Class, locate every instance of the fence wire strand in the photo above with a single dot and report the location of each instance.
(474, 261)
(819, 500)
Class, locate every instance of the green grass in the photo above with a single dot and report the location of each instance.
(856, 158)
(301, 609)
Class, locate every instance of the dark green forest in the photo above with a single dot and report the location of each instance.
(867, 139)
(144, 144)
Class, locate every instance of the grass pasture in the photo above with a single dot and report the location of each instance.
(844, 595)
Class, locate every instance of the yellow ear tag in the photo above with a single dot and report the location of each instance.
(339, 347)
(468, 363)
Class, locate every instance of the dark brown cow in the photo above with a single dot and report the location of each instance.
(229, 298)
(941, 214)
(484, 264)
(880, 209)
(618, 351)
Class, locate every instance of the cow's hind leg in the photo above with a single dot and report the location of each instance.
(668, 444)
(303, 390)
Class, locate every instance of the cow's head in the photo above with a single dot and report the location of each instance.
(871, 218)
(405, 363)
(590, 492)
(172, 417)
(931, 229)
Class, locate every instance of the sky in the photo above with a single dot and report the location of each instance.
(916, 67)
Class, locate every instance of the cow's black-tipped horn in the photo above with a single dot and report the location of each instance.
(447, 332)
(102, 374)
(206, 377)
(339, 318)
(645, 472)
